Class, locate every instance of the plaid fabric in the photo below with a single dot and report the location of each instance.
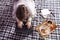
(7, 23)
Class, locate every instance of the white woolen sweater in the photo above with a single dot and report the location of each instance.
(30, 6)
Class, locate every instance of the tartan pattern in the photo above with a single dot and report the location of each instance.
(7, 23)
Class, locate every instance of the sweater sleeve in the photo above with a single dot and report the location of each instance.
(30, 19)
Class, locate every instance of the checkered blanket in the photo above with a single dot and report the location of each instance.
(8, 26)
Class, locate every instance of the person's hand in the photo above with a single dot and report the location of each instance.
(20, 24)
(28, 24)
